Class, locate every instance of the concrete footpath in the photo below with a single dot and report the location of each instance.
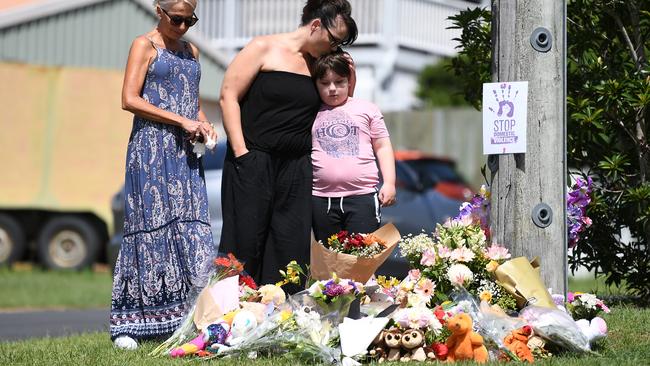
(18, 325)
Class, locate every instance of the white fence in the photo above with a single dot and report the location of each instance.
(417, 24)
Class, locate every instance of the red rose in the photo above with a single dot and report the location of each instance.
(248, 281)
(440, 314)
(342, 235)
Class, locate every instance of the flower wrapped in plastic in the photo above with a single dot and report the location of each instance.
(585, 306)
(203, 312)
(332, 296)
(354, 256)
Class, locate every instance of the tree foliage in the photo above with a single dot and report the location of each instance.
(438, 86)
(608, 99)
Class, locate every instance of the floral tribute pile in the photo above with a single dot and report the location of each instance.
(449, 307)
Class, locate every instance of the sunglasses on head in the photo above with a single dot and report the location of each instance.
(177, 20)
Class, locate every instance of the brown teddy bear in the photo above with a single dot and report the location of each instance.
(463, 343)
(377, 351)
(393, 341)
(413, 344)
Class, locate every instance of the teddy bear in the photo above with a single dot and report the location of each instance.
(463, 343)
(272, 294)
(413, 343)
(393, 341)
(517, 343)
(377, 351)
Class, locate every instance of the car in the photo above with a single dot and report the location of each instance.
(212, 167)
(419, 208)
(436, 172)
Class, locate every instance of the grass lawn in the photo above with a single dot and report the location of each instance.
(628, 344)
(34, 288)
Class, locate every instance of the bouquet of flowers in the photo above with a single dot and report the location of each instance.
(335, 295)
(360, 245)
(355, 256)
(225, 266)
(458, 255)
(584, 306)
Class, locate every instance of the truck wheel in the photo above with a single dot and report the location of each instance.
(68, 242)
(12, 240)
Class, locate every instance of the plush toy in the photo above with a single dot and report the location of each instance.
(594, 330)
(272, 294)
(377, 350)
(463, 343)
(195, 345)
(260, 310)
(413, 344)
(243, 323)
(517, 343)
(393, 341)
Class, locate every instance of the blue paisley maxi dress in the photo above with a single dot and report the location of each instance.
(167, 246)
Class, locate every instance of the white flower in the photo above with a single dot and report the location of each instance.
(414, 246)
(459, 275)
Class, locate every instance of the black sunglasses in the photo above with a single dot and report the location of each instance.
(334, 42)
(176, 20)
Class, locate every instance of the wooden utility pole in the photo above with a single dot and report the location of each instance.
(528, 190)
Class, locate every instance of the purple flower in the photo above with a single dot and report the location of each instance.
(570, 297)
(333, 289)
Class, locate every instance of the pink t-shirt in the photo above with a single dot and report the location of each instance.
(342, 154)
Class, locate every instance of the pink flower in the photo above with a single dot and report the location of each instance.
(428, 258)
(425, 288)
(462, 254)
(414, 275)
(443, 251)
(603, 307)
(570, 297)
(497, 252)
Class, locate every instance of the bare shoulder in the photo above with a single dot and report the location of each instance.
(141, 43)
(194, 49)
(261, 43)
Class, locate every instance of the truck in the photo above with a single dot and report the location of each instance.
(63, 141)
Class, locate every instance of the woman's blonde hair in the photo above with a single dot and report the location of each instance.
(166, 4)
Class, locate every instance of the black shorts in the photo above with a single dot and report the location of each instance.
(356, 214)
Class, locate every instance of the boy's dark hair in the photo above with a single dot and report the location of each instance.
(335, 61)
(327, 11)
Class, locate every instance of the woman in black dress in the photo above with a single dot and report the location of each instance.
(269, 103)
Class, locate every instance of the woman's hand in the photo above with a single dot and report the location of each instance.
(193, 129)
(387, 195)
(209, 132)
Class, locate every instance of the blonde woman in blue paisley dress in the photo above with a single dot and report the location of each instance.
(167, 245)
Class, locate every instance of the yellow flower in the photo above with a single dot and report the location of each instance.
(285, 314)
(485, 296)
(492, 266)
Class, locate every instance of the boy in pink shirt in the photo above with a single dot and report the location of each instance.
(349, 140)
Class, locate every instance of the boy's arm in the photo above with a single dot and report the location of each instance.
(386, 159)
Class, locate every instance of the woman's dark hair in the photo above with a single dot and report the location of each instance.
(335, 61)
(327, 11)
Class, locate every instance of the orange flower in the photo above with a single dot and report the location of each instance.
(369, 239)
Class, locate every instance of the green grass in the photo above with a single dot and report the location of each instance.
(594, 286)
(628, 344)
(36, 288)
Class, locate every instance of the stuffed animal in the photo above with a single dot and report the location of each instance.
(377, 351)
(517, 343)
(413, 344)
(463, 343)
(272, 294)
(393, 341)
(594, 330)
(195, 345)
(242, 324)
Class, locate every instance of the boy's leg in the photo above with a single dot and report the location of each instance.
(362, 214)
(326, 217)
